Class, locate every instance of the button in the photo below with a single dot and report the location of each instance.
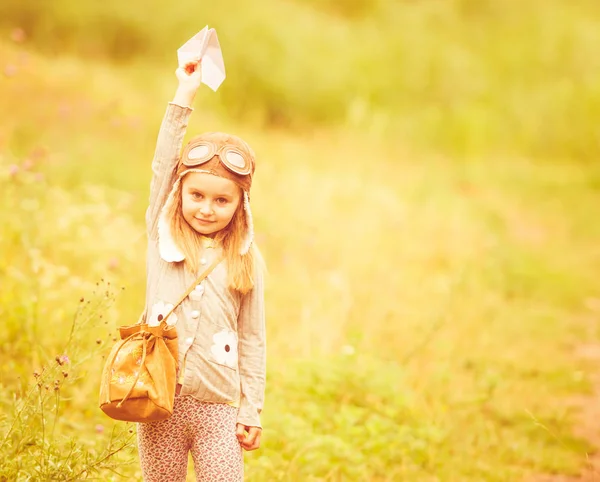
(203, 261)
(189, 340)
(195, 314)
(199, 288)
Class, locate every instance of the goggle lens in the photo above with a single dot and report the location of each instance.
(200, 153)
(236, 160)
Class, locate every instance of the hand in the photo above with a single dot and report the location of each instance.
(190, 74)
(249, 440)
(190, 77)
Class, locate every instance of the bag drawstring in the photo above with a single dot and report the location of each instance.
(137, 376)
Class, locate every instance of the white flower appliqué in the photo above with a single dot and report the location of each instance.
(159, 311)
(224, 348)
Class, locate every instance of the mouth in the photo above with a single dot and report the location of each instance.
(204, 221)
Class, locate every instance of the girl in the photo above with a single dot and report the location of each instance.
(199, 216)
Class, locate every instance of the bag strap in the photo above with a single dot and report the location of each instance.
(201, 278)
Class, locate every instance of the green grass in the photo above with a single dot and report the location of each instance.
(433, 245)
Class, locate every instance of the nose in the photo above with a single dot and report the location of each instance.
(206, 209)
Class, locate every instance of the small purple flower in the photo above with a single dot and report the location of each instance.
(38, 153)
(64, 359)
(23, 58)
(18, 35)
(64, 110)
(99, 429)
(113, 263)
(10, 70)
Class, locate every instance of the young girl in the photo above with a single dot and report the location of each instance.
(199, 214)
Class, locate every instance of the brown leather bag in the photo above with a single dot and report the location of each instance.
(139, 376)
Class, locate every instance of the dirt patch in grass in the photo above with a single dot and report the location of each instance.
(587, 408)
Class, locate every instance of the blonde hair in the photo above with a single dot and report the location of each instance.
(241, 269)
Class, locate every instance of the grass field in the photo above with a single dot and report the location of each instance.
(430, 224)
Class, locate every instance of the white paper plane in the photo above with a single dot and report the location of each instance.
(205, 45)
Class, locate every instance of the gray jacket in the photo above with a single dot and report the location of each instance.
(222, 351)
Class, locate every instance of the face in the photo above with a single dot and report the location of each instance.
(209, 202)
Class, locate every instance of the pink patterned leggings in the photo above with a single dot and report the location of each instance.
(205, 429)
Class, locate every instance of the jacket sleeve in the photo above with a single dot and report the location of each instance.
(252, 354)
(164, 164)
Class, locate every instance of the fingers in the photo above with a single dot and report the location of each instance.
(251, 441)
(191, 67)
(239, 432)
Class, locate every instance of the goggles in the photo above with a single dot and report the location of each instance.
(231, 157)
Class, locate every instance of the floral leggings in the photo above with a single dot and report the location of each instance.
(205, 429)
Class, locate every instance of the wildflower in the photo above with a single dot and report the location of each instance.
(23, 58)
(113, 263)
(135, 122)
(36, 374)
(64, 110)
(10, 70)
(62, 359)
(65, 374)
(348, 350)
(38, 152)
(13, 169)
(18, 35)
(99, 428)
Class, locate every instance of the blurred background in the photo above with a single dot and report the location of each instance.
(427, 200)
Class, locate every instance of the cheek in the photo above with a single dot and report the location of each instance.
(187, 206)
(228, 211)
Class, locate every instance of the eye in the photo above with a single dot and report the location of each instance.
(222, 200)
(196, 195)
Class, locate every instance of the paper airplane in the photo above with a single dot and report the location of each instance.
(205, 45)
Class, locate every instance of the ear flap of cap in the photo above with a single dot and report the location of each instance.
(167, 247)
(249, 226)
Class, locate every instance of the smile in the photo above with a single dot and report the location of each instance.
(203, 221)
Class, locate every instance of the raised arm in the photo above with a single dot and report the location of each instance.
(169, 142)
